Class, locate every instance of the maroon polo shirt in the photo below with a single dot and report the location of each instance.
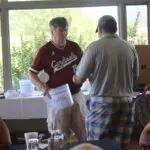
(60, 64)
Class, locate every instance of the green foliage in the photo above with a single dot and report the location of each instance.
(29, 30)
(133, 36)
(23, 55)
(32, 26)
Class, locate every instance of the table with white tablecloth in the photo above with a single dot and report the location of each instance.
(24, 114)
(23, 108)
(27, 107)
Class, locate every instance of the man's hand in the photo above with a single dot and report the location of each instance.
(77, 80)
(36, 81)
(44, 88)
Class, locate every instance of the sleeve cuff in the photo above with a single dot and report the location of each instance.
(33, 70)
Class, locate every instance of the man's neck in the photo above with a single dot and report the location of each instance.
(59, 42)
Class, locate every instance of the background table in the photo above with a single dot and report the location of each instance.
(25, 114)
(23, 108)
(27, 107)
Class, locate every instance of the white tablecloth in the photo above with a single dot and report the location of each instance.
(28, 107)
(23, 108)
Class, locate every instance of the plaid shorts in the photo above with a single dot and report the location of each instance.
(110, 117)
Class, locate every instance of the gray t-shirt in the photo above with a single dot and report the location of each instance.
(112, 66)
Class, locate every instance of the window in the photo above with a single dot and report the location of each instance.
(29, 30)
(1, 65)
(137, 24)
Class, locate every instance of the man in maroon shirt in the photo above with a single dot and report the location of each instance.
(59, 58)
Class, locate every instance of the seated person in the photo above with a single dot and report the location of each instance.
(5, 140)
(144, 140)
(86, 146)
(142, 110)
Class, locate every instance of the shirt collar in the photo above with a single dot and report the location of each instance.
(110, 35)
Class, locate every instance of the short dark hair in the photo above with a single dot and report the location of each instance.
(58, 22)
(107, 23)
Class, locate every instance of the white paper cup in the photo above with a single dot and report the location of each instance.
(30, 135)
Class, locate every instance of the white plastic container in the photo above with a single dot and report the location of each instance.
(26, 88)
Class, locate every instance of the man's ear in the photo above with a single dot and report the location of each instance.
(51, 31)
(101, 32)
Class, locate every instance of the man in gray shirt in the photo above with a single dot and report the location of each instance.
(111, 65)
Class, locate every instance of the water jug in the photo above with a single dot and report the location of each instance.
(26, 87)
